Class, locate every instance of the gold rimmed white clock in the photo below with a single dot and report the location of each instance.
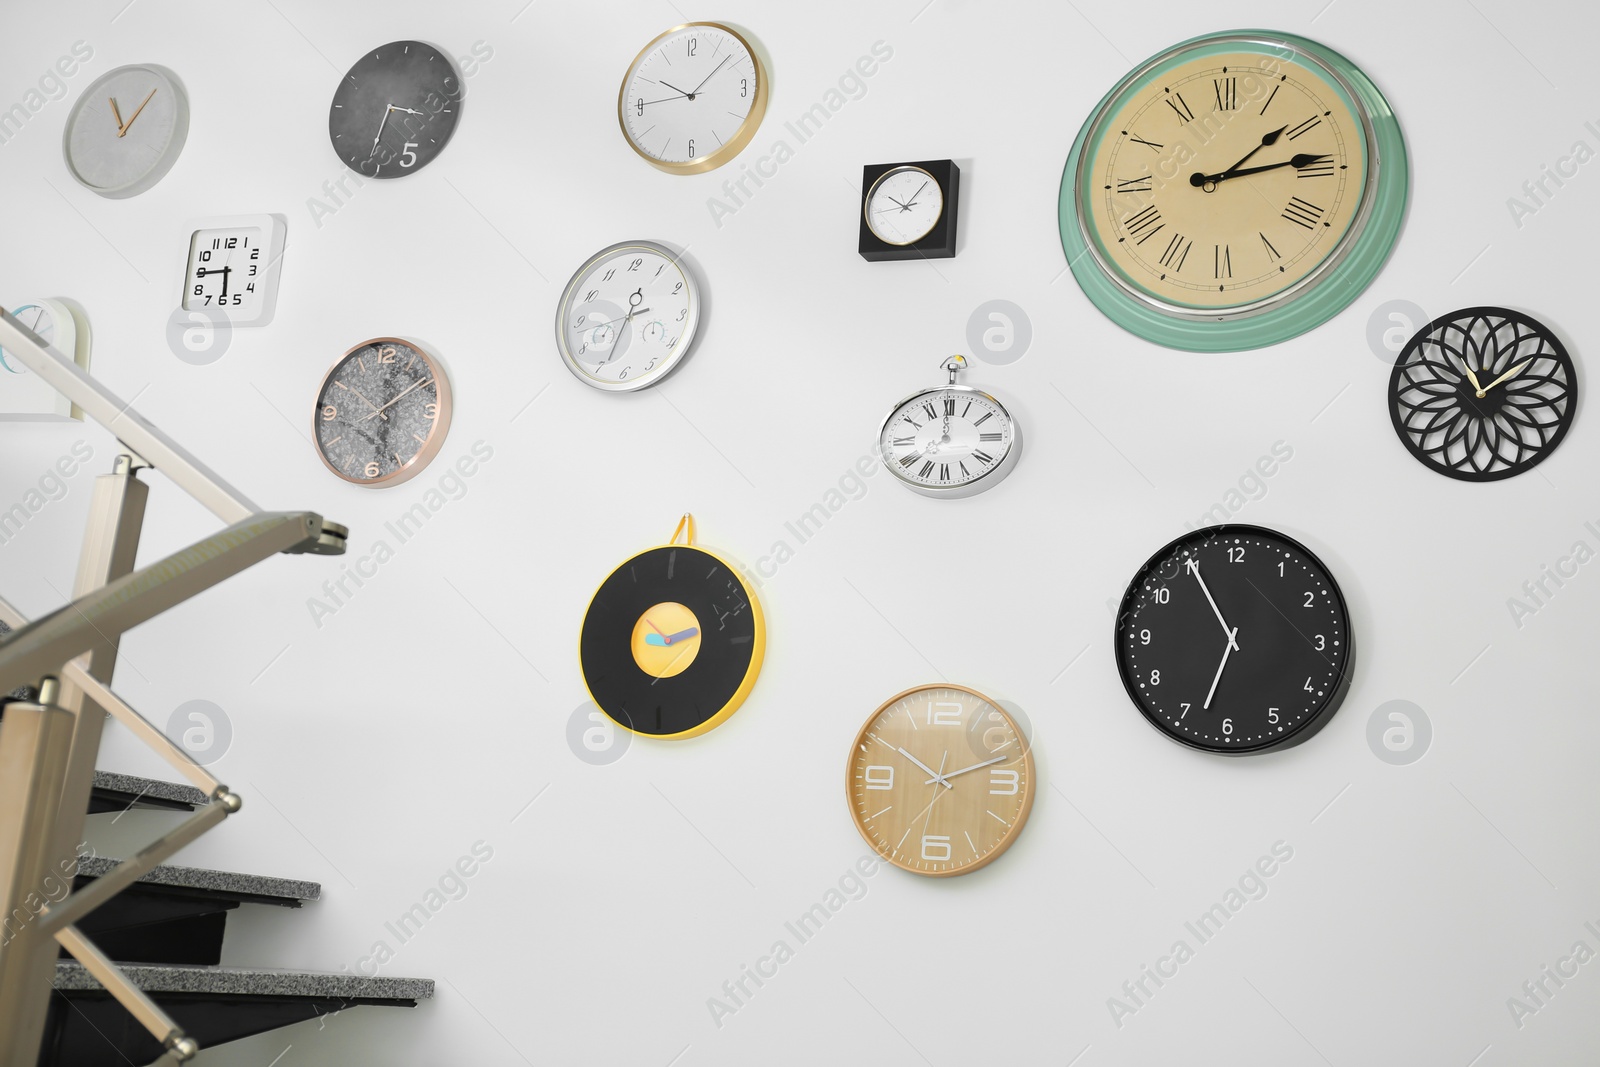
(940, 780)
(693, 98)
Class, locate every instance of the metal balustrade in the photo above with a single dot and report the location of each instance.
(48, 746)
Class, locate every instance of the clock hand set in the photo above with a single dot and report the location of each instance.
(1209, 182)
(707, 78)
(1225, 654)
(1512, 373)
(937, 777)
(122, 127)
(661, 640)
(1232, 634)
(396, 400)
(1267, 141)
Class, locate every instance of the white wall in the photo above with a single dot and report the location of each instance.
(425, 714)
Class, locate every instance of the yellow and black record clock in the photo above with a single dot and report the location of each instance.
(673, 640)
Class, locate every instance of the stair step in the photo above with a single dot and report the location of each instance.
(178, 915)
(214, 1005)
(120, 792)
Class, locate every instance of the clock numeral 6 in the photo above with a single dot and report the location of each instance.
(1003, 783)
(691, 148)
(879, 777)
(370, 470)
(329, 413)
(1227, 726)
(935, 847)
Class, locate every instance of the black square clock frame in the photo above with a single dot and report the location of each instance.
(940, 242)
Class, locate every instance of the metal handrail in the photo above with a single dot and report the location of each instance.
(48, 747)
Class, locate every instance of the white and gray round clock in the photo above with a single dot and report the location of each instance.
(628, 316)
(126, 130)
(951, 440)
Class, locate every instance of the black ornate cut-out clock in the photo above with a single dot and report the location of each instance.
(1482, 394)
(673, 640)
(1234, 639)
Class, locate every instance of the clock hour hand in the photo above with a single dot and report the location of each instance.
(937, 777)
(1267, 140)
(1225, 654)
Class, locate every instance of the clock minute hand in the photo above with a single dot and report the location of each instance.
(1304, 159)
(1267, 140)
(396, 400)
(1512, 373)
(1194, 569)
(707, 78)
(122, 132)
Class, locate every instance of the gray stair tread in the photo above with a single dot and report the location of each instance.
(218, 881)
(135, 786)
(249, 981)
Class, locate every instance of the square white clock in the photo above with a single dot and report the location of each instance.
(231, 270)
(24, 396)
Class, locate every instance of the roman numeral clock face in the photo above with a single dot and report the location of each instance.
(1222, 186)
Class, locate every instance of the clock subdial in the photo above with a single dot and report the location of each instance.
(904, 205)
(1234, 639)
(940, 780)
(693, 98)
(627, 317)
(1228, 181)
(382, 413)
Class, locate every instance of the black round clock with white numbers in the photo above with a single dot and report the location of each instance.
(1235, 639)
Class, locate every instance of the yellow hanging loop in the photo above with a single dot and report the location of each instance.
(685, 530)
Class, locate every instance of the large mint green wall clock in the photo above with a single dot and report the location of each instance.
(1233, 191)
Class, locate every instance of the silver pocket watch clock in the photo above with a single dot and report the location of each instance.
(951, 440)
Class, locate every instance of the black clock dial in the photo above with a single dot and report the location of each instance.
(662, 600)
(395, 110)
(1483, 394)
(1234, 639)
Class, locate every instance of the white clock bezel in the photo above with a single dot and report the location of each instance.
(275, 229)
(72, 339)
(691, 325)
(166, 79)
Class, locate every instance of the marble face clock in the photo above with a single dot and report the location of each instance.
(1482, 394)
(1234, 639)
(126, 130)
(692, 98)
(1233, 191)
(382, 413)
(673, 640)
(940, 780)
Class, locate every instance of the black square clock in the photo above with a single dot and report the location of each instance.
(908, 210)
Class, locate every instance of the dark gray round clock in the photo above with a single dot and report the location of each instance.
(1234, 639)
(395, 110)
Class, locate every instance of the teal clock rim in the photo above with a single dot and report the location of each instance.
(1344, 282)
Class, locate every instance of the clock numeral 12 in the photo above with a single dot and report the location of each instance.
(1227, 97)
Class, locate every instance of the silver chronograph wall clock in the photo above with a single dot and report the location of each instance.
(628, 316)
(951, 440)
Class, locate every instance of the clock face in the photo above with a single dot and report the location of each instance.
(382, 414)
(628, 316)
(225, 271)
(38, 319)
(1234, 639)
(904, 205)
(693, 98)
(672, 642)
(1225, 184)
(1483, 394)
(950, 441)
(126, 131)
(940, 780)
(395, 110)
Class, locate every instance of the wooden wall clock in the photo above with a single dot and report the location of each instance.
(940, 780)
(1483, 394)
(1234, 639)
(1233, 191)
(673, 640)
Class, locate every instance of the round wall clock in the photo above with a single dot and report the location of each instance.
(1234, 639)
(628, 316)
(395, 110)
(1483, 394)
(673, 640)
(693, 98)
(1234, 191)
(940, 780)
(126, 130)
(903, 205)
(382, 413)
(951, 440)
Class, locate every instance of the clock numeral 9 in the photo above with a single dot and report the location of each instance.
(935, 847)
(370, 470)
(329, 413)
(1144, 637)
(1003, 783)
(879, 777)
